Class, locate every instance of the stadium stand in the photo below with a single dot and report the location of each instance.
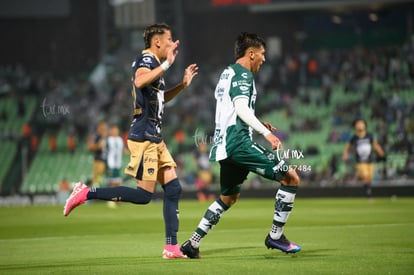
(49, 168)
(14, 114)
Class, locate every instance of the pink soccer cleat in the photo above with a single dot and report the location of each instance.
(172, 251)
(77, 197)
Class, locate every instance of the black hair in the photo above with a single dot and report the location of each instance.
(152, 30)
(246, 40)
(359, 119)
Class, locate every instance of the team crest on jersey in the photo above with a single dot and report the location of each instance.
(244, 88)
(151, 171)
(271, 156)
(244, 75)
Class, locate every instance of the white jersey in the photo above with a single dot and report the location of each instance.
(115, 147)
(230, 131)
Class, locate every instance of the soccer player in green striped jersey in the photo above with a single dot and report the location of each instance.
(238, 154)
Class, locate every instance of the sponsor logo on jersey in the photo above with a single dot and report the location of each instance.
(241, 83)
(224, 76)
(146, 59)
(149, 160)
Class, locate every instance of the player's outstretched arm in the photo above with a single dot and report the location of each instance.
(378, 149)
(189, 73)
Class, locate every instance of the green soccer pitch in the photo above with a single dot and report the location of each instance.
(338, 236)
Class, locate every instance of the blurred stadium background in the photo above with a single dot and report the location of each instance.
(65, 66)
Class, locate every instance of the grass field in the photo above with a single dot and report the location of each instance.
(338, 236)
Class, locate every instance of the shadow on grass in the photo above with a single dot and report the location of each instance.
(267, 253)
(315, 253)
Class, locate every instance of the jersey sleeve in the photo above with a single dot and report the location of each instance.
(241, 86)
(144, 61)
(245, 113)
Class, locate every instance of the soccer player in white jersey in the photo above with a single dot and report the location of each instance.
(115, 150)
(238, 154)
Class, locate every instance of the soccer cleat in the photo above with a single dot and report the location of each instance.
(172, 252)
(77, 197)
(190, 251)
(282, 244)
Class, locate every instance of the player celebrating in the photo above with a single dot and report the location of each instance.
(150, 159)
(238, 154)
(363, 142)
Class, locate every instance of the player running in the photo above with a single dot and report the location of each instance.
(150, 159)
(238, 154)
(363, 144)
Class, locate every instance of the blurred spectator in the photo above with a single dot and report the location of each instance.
(34, 142)
(26, 130)
(52, 143)
(97, 145)
(63, 191)
(204, 177)
(179, 138)
(71, 143)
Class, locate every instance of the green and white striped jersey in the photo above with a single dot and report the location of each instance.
(230, 131)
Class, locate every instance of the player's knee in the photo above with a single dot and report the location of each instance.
(142, 196)
(172, 189)
(294, 180)
(229, 200)
(291, 179)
